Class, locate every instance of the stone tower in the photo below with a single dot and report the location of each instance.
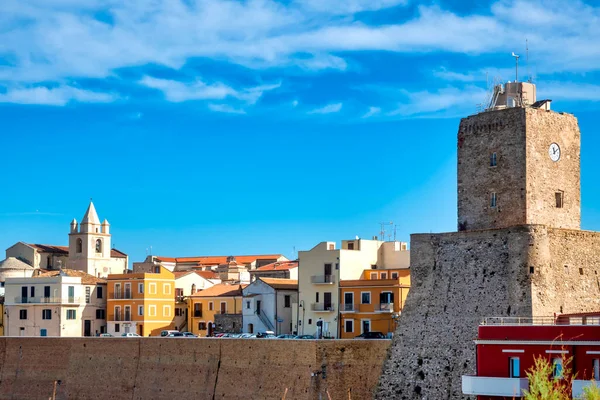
(518, 250)
(89, 244)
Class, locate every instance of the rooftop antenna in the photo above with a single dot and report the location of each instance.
(516, 56)
(395, 226)
(527, 60)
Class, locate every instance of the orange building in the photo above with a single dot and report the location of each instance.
(142, 303)
(223, 299)
(374, 302)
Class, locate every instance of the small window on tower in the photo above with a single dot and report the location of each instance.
(559, 199)
(79, 245)
(493, 160)
(493, 200)
(98, 246)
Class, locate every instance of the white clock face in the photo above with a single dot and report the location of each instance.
(554, 152)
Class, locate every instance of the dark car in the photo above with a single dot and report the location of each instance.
(371, 335)
(175, 334)
(305, 337)
(189, 334)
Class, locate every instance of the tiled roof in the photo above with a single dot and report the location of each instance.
(278, 266)
(114, 253)
(278, 283)
(48, 248)
(216, 260)
(86, 278)
(203, 274)
(220, 290)
(64, 250)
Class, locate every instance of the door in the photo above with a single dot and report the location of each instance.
(24, 294)
(210, 329)
(327, 300)
(141, 330)
(71, 294)
(327, 270)
(87, 328)
(348, 301)
(257, 307)
(223, 308)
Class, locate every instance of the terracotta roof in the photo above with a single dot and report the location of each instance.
(117, 253)
(278, 266)
(220, 290)
(216, 260)
(48, 248)
(203, 274)
(64, 250)
(86, 278)
(278, 283)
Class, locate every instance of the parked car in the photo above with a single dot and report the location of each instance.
(266, 335)
(106, 335)
(189, 334)
(286, 336)
(175, 334)
(305, 337)
(167, 332)
(130, 334)
(371, 335)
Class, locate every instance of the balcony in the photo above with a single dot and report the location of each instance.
(349, 307)
(492, 386)
(322, 307)
(578, 386)
(322, 279)
(121, 296)
(47, 300)
(385, 307)
(121, 317)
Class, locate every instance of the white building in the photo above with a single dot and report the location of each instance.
(268, 305)
(322, 268)
(57, 303)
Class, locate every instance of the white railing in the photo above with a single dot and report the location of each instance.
(322, 307)
(386, 307)
(518, 321)
(322, 279)
(47, 300)
(492, 386)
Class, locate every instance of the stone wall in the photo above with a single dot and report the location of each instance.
(172, 368)
(230, 323)
(459, 278)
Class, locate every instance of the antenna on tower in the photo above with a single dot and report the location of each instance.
(516, 56)
(527, 60)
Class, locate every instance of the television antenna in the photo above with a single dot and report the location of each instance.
(516, 56)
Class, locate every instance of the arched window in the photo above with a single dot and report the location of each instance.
(79, 245)
(98, 246)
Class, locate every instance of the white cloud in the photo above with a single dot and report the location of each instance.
(58, 96)
(372, 111)
(568, 91)
(225, 108)
(295, 103)
(341, 7)
(177, 92)
(328, 109)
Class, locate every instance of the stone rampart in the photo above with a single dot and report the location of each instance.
(171, 368)
(459, 278)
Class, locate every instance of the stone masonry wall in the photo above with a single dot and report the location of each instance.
(459, 278)
(174, 368)
(230, 323)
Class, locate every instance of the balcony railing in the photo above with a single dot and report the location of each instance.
(122, 296)
(122, 317)
(348, 307)
(579, 385)
(322, 307)
(386, 307)
(47, 300)
(322, 279)
(492, 386)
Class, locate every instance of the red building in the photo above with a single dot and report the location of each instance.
(506, 348)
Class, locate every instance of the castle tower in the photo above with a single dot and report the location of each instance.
(518, 251)
(89, 246)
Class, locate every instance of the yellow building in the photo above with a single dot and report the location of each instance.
(142, 303)
(374, 302)
(218, 308)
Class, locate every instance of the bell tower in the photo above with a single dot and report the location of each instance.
(89, 244)
(518, 164)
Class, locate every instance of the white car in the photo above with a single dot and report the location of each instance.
(130, 334)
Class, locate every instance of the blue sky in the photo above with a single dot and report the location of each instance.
(235, 127)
